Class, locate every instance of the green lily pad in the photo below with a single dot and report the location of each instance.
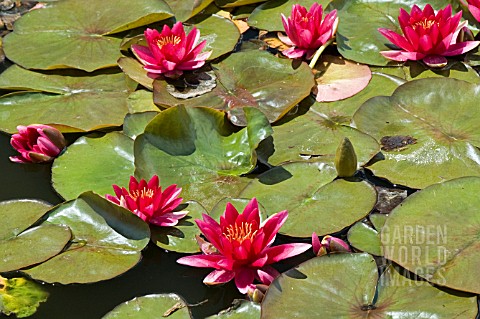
(70, 103)
(54, 38)
(198, 149)
(94, 164)
(135, 124)
(314, 202)
(358, 38)
(107, 242)
(183, 10)
(434, 233)
(151, 307)
(259, 84)
(220, 33)
(428, 130)
(241, 309)
(141, 101)
(235, 3)
(346, 286)
(267, 16)
(181, 237)
(134, 70)
(20, 297)
(311, 134)
(17, 241)
(367, 238)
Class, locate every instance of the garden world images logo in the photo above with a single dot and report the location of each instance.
(422, 249)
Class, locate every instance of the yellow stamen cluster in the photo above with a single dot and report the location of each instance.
(240, 232)
(424, 24)
(144, 192)
(173, 39)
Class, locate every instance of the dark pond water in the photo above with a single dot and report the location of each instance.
(158, 271)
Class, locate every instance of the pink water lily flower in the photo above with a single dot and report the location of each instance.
(306, 32)
(427, 36)
(243, 247)
(474, 8)
(37, 143)
(147, 201)
(171, 52)
(328, 244)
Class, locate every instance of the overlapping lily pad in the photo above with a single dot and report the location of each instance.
(183, 10)
(55, 38)
(20, 297)
(366, 238)
(151, 307)
(107, 241)
(199, 150)
(241, 309)
(315, 202)
(267, 16)
(135, 124)
(181, 237)
(16, 240)
(423, 140)
(141, 101)
(94, 164)
(235, 3)
(434, 233)
(70, 103)
(265, 82)
(347, 286)
(358, 38)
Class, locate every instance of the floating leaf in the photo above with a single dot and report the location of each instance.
(72, 104)
(135, 124)
(267, 16)
(199, 150)
(241, 309)
(134, 69)
(107, 242)
(54, 38)
(358, 38)
(235, 3)
(434, 233)
(367, 238)
(151, 307)
(314, 202)
(94, 164)
(141, 101)
(423, 142)
(338, 79)
(21, 247)
(181, 237)
(347, 286)
(266, 82)
(20, 297)
(183, 10)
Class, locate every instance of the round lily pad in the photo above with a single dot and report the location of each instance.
(434, 233)
(428, 129)
(346, 286)
(181, 237)
(201, 151)
(266, 82)
(70, 103)
(94, 164)
(107, 241)
(151, 307)
(311, 196)
(54, 38)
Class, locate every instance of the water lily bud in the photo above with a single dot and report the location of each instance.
(328, 244)
(256, 293)
(37, 143)
(346, 159)
(465, 34)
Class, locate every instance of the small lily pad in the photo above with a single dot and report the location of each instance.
(366, 238)
(107, 241)
(20, 296)
(151, 307)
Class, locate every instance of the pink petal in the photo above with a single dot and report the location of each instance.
(144, 54)
(243, 278)
(315, 243)
(201, 261)
(285, 39)
(396, 39)
(475, 11)
(284, 251)
(169, 219)
(272, 225)
(294, 53)
(460, 48)
(218, 277)
(267, 274)
(402, 56)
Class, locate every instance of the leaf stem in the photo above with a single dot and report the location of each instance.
(319, 52)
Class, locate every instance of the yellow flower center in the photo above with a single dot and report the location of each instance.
(172, 39)
(425, 24)
(240, 232)
(142, 193)
(305, 19)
